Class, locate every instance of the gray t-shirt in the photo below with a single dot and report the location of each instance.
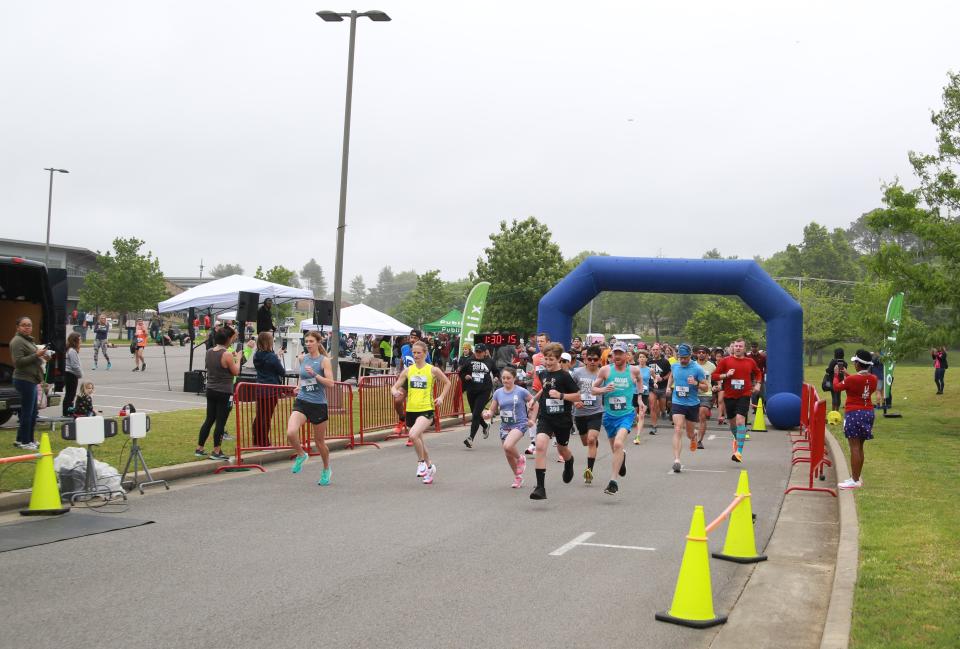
(592, 403)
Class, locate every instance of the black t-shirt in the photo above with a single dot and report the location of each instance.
(661, 368)
(480, 372)
(562, 382)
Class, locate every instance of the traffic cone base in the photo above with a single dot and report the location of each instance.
(45, 497)
(759, 423)
(740, 545)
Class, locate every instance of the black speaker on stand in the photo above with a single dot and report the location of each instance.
(323, 313)
(247, 304)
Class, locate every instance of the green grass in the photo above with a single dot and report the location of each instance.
(908, 587)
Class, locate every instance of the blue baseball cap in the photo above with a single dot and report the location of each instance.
(683, 349)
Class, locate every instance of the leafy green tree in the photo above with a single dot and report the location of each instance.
(226, 270)
(719, 320)
(427, 302)
(822, 254)
(825, 316)
(358, 290)
(868, 324)
(285, 277)
(312, 275)
(126, 281)
(521, 263)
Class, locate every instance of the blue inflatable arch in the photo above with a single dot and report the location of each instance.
(782, 314)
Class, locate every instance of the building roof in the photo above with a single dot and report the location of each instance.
(53, 246)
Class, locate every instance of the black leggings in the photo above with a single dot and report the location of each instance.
(938, 375)
(477, 400)
(835, 400)
(70, 381)
(218, 409)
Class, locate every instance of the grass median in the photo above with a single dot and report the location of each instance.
(908, 585)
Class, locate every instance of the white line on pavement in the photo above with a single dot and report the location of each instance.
(711, 437)
(686, 470)
(566, 547)
(117, 396)
(621, 547)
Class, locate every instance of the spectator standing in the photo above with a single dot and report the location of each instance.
(222, 365)
(270, 371)
(386, 349)
(100, 332)
(27, 375)
(131, 327)
(72, 373)
(155, 329)
(939, 355)
(265, 317)
(829, 383)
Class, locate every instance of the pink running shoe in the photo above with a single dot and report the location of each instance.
(428, 476)
(409, 442)
(517, 481)
(521, 464)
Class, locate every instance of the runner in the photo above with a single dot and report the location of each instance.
(737, 372)
(476, 373)
(706, 396)
(588, 411)
(311, 405)
(537, 360)
(101, 330)
(419, 379)
(644, 388)
(556, 401)
(660, 374)
(516, 407)
(617, 384)
(718, 393)
(858, 423)
(406, 357)
(686, 377)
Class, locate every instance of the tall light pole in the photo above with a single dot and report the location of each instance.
(46, 248)
(334, 17)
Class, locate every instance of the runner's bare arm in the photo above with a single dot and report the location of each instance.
(327, 378)
(395, 388)
(598, 382)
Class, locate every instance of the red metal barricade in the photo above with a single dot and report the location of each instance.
(261, 413)
(453, 405)
(817, 459)
(377, 410)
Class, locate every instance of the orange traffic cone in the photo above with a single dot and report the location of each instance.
(45, 497)
(741, 546)
(693, 598)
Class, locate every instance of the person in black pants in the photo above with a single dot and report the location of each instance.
(838, 359)
(72, 373)
(222, 365)
(939, 355)
(476, 374)
(270, 372)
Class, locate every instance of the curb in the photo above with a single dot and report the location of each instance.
(836, 629)
(21, 499)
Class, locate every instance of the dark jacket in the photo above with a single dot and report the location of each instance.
(265, 320)
(269, 368)
(474, 367)
(27, 366)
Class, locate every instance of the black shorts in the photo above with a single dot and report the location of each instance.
(411, 417)
(660, 393)
(559, 429)
(737, 406)
(690, 413)
(316, 413)
(636, 401)
(588, 422)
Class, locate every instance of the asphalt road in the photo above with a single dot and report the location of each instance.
(378, 559)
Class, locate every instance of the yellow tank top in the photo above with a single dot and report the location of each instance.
(420, 388)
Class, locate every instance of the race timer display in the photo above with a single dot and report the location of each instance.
(497, 340)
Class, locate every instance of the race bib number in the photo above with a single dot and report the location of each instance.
(418, 382)
(682, 390)
(554, 406)
(646, 390)
(618, 403)
(506, 416)
(309, 385)
(736, 384)
(588, 399)
(478, 377)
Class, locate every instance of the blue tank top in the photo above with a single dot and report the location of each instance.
(311, 390)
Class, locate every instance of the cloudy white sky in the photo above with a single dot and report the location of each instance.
(213, 129)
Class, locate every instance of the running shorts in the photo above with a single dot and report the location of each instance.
(737, 406)
(611, 424)
(706, 402)
(411, 417)
(691, 413)
(559, 429)
(316, 413)
(588, 422)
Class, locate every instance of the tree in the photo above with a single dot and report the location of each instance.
(721, 319)
(825, 315)
(358, 290)
(390, 289)
(822, 254)
(226, 270)
(312, 275)
(285, 277)
(870, 326)
(126, 281)
(427, 302)
(521, 263)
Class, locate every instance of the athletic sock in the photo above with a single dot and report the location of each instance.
(541, 476)
(590, 461)
(741, 437)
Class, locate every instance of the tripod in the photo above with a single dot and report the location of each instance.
(136, 458)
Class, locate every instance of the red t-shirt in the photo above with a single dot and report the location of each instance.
(760, 358)
(858, 387)
(745, 372)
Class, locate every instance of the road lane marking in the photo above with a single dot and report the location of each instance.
(566, 547)
(621, 547)
(711, 438)
(685, 470)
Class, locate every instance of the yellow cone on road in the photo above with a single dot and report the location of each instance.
(45, 497)
(741, 545)
(759, 423)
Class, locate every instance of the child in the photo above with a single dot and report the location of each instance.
(858, 423)
(83, 406)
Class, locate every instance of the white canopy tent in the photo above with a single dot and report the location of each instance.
(221, 294)
(362, 319)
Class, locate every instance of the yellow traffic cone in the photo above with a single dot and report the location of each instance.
(45, 497)
(740, 545)
(759, 424)
(693, 598)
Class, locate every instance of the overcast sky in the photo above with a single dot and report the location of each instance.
(213, 129)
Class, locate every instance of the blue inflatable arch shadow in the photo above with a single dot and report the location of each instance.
(782, 314)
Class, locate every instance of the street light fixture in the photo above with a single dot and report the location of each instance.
(46, 248)
(334, 17)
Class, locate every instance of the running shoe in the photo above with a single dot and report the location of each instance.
(693, 445)
(538, 493)
(623, 465)
(218, 456)
(517, 481)
(612, 488)
(428, 476)
(721, 421)
(398, 428)
(109, 365)
(746, 436)
(298, 463)
(531, 449)
(94, 368)
(736, 457)
(409, 442)
(467, 442)
(421, 469)
(143, 368)
(486, 430)
(636, 440)
(850, 483)
(521, 465)
(588, 476)
(568, 471)
(200, 453)
(676, 467)
(136, 369)
(700, 445)
(324, 478)
(653, 430)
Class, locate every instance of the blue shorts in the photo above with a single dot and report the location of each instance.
(858, 424)
(613, 423)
